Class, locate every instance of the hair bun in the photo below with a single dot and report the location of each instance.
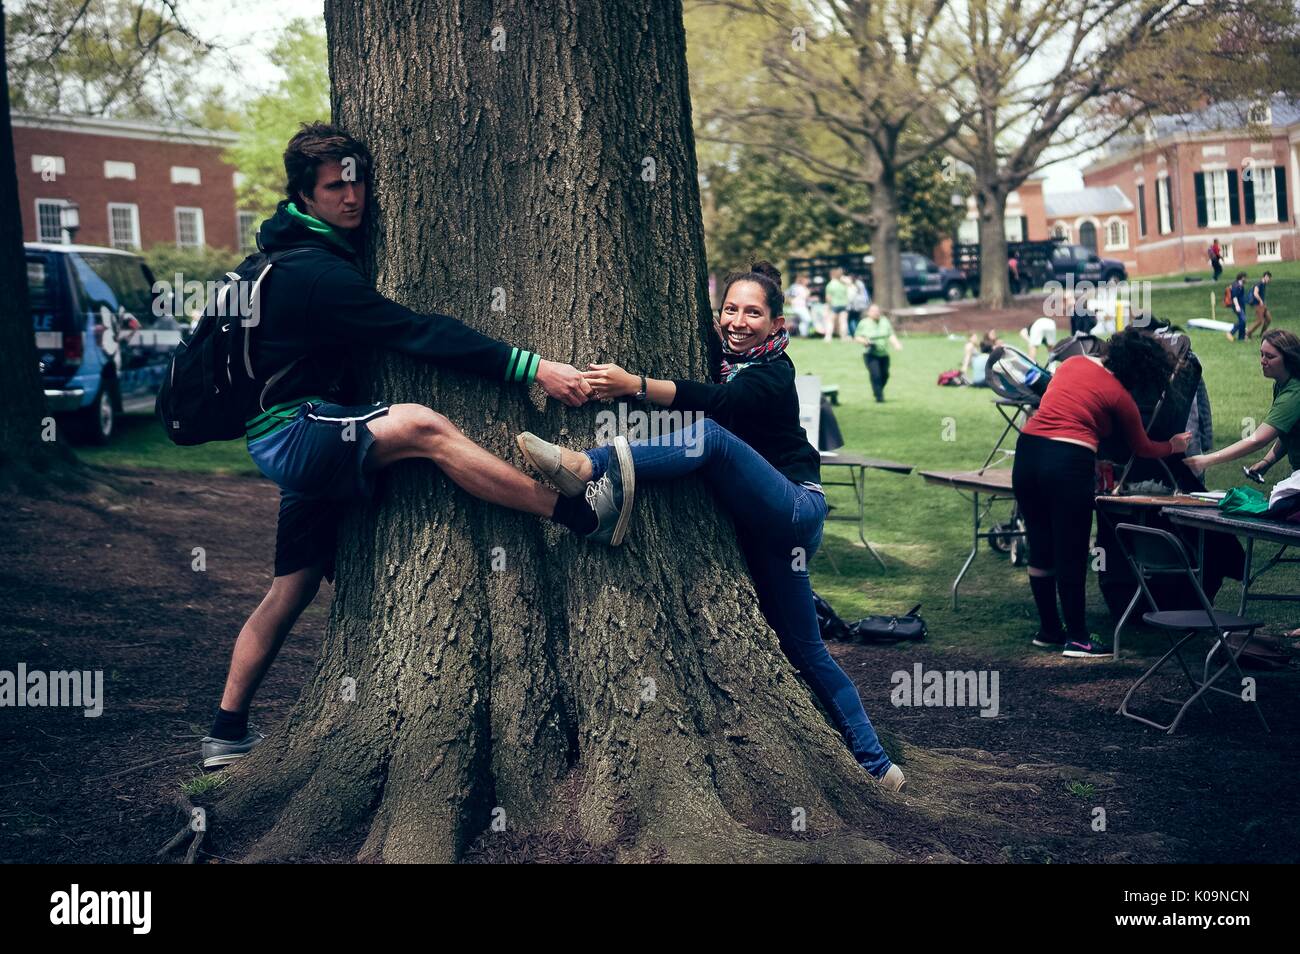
(766, 268)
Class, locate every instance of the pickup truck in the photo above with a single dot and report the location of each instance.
(1041, 262)
(101, 349)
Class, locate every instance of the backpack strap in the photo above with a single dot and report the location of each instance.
(271, 259)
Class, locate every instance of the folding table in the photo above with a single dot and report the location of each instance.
(996, 486)
(857, 466)
(1286, 535)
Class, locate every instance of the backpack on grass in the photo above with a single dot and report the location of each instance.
(210, 386)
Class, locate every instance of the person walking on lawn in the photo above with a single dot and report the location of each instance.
(317, 305)
(1262, 318)
(1237, 293)
(875, 333)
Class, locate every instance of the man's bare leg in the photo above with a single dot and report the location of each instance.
(413, 430)
(264, 633)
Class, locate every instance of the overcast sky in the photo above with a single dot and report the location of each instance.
(250, 28)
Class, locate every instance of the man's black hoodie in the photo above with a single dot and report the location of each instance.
(317, 307)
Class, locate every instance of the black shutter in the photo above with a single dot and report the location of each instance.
(1248, 188)
(1024, 228)
(1280, 174)
(1142, 210)
(1198, 180)
(1234, 204)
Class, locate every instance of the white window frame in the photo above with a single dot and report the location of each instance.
(1274, 255)
(63, 238)
(1164, 210)
(134, 209)
(239, 231)
(1260, 174)
(1116, 222)
(117, 169)
(198, 225)
(1218, 205)
(1013, 228)
(1062, 230)
(186, 175)
(1228, 256)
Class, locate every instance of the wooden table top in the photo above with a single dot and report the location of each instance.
(991, 479)
(850, 459)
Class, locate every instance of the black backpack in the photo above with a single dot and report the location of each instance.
(210, 385)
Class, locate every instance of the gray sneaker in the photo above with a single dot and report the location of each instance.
(548, 459)
(611, 496)
(218, 753)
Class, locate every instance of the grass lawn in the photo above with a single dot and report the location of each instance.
(922, 530)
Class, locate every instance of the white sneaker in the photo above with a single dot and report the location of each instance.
(893, 780)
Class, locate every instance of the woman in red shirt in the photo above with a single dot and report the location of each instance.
(1054, 474)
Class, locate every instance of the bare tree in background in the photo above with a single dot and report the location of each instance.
(1049, 79)
(848, 91)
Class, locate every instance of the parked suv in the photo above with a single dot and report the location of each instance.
(923, 279)
(102, 351)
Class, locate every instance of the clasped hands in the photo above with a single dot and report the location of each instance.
(566, 383)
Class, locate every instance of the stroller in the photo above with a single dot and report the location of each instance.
(1019, 385)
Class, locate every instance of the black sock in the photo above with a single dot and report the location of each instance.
(1044, 590)
(229, 726)
(1073, 595)
(576, 514)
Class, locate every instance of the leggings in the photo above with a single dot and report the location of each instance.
(1054, 485)
(779, 525)
(878, 369)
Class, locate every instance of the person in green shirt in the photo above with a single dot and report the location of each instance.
(1279, 358)
(875, 333)
(837, 303)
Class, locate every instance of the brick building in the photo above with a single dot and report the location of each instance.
(1156, 201)
(1198, 176)
(136, 184)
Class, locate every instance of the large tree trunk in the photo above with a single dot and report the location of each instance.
(633, 699)
(22, 450)
(887, 262)
(991, 203)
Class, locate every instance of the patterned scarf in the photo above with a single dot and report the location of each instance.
(732, 363)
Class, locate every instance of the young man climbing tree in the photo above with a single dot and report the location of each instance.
(317, 307)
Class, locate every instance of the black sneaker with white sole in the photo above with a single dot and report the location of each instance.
(218, 753)
(1049, 640)
(1085, 648)
(611, 497)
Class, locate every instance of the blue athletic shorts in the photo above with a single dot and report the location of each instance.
(318, 462)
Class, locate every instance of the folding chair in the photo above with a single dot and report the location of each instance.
(1152, 552)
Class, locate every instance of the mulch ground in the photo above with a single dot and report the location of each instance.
(109, 583)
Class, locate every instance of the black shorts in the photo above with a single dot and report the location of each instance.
(318, 461)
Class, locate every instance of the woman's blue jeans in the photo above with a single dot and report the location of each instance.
(779, 524)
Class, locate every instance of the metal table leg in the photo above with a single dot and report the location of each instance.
(974, 547)
(860, 489)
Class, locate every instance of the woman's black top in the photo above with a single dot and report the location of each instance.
(761, 407)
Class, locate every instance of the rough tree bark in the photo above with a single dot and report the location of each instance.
(991, 206)
(634, 697)
(25, 459)
(887, 258)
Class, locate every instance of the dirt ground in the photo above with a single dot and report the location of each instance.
(108, 583)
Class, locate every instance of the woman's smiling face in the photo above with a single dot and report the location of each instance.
(746, 319)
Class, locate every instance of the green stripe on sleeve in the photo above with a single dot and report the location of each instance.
(532, 368)
(510, 365)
